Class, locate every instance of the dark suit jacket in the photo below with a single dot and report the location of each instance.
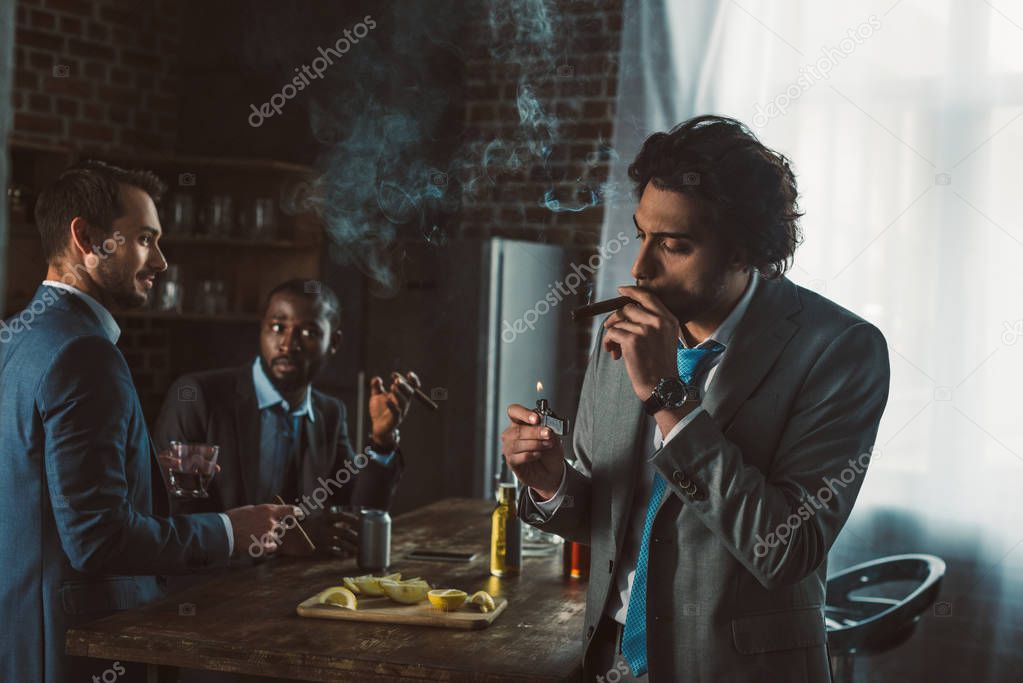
(791, 417)
(219, 407)
(80, 538)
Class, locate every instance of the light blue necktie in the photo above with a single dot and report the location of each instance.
(634, 635)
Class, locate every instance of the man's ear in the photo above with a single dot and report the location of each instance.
(80, 241)
(335, 341)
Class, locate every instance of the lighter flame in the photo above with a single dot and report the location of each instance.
(539, 387)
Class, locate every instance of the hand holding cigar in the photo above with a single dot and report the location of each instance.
(387, 408)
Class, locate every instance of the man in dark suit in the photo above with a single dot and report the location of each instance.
(724, 428)
(84, 534)
(278, 435)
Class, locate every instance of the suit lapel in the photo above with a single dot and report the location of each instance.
(759, 338)
(246, 423)
(624, 418)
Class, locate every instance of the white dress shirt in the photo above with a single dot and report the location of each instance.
(618, 604)
(113, 333)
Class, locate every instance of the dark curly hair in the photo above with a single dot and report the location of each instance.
(745, 190)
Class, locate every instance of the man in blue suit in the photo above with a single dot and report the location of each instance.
(83, 533)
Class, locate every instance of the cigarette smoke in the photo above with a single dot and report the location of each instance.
(391, 167)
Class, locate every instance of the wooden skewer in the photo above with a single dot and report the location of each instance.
(280, 501)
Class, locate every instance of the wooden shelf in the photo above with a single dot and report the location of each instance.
(193, 162)
(23, 229)
(186, 317)
(237, 242)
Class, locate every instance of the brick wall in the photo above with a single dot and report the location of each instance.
(101, 75)
(104, 75)
(580, 91)
(97, 74)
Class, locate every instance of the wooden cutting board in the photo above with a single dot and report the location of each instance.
(384, 610)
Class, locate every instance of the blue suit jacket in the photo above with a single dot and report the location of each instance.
(80, 538)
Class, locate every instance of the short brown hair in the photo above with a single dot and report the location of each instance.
(91, 190)
(744, 189)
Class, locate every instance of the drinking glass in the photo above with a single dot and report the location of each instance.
(188, 468)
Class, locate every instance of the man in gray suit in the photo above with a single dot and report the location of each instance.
(724, 428)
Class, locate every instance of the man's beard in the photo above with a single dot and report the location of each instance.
(288, 383)
(119, 286)
(691, 305)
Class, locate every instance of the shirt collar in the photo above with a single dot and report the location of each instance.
(268, 396)
(106, 321)
(723, 334)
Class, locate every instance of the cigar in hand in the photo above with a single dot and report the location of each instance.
(416, 391)
(599, 307)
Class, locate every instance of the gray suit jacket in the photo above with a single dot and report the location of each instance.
(795, 402)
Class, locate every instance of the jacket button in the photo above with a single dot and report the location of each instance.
(610, 566)
(679, 476)
(589, 632)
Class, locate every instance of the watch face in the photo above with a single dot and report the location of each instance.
(671, 391)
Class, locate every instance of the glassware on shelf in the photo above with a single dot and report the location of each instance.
(180, 214)
(169, 290)
(218, 216)
(259, 220)
(212, 297)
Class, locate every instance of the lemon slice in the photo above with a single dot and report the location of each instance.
(338, 596)
(350, 585)
(447, 599)
(370, 585)
(406, 593)
(483, 600)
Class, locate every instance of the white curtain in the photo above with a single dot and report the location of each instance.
(909, 156)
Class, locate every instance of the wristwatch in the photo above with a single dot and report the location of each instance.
(671, 392)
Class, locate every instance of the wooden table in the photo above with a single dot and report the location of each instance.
(245, 621)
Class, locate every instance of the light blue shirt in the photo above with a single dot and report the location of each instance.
(113, 333)
(618, 605)
(267, 397)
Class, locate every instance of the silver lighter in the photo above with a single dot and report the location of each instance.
(558, 425)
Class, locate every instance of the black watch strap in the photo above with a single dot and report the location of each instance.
(653, 404)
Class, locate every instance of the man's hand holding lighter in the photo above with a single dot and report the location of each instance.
(533, 453)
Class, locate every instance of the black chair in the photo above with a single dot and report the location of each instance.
(874, 606)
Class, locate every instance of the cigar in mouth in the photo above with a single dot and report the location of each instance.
(417, 392)
(599, 307)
